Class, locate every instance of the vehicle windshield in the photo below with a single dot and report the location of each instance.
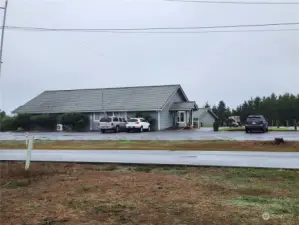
(254, 118)
(105, 119)
(132, 120)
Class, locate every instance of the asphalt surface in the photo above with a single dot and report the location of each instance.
(192, 158)
(202, 134)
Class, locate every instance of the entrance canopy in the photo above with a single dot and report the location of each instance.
(183, 106)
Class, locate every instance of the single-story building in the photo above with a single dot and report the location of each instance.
(167, 104)
(203, 117)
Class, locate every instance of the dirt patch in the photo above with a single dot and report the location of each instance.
(112, 194)
(269, 146)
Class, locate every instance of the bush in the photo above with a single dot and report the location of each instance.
(22, 121)
(26, 122)
(44, 121)
(216, 125)
(74, 121)
(8, 124)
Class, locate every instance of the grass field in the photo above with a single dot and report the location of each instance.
(285, 129)
(291, 146)
(70, 194)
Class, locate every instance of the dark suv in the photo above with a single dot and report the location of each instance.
(256, 123)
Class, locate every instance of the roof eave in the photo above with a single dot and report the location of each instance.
(84, 111)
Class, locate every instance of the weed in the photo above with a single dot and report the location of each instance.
(170, 171)
(113, 208)
(74, 204)
(145, 169)
(278, 206)
(52, 222)
(85, 188)
(262, 173)
(109, 167)
(49, 222)
(17, 183)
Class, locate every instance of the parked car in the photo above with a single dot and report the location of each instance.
(113, 123)
(139, 124)
(256, 123)
(234, 121)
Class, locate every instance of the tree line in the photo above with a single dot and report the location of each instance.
(279, 110)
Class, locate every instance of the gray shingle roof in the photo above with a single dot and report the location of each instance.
(177, 106)
(201, 112)
(143, 98)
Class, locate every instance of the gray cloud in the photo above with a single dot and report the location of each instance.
(210, 67)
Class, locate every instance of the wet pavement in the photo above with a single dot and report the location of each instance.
(202, 134)
(288, 160)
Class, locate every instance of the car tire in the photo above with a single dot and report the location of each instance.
(103, 131)
(247, 131)
(141, 129)
(149, 128)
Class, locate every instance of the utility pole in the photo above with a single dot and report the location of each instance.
(2, 33)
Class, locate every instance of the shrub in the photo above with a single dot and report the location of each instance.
(45, 121)
(2, 115)
(216, 126)
(75, 121)
(8, 124)
(22, 121)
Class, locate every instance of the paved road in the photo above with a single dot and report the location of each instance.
(195, 158)
(202, 134)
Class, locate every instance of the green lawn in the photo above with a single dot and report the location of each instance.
(220, 145)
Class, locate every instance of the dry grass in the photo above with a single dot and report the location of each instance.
(290, 146)
(72, 194)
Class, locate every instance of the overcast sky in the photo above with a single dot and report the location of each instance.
(210, 67)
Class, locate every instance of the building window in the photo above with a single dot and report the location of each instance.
(182, 119)
(109, 113)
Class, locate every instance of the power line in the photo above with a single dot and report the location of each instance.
(186, 32)
(147, 28)
(236, 2)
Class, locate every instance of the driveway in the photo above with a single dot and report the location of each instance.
(286, 160)
(161, 135)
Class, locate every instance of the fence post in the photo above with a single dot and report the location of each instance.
(29, 150)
